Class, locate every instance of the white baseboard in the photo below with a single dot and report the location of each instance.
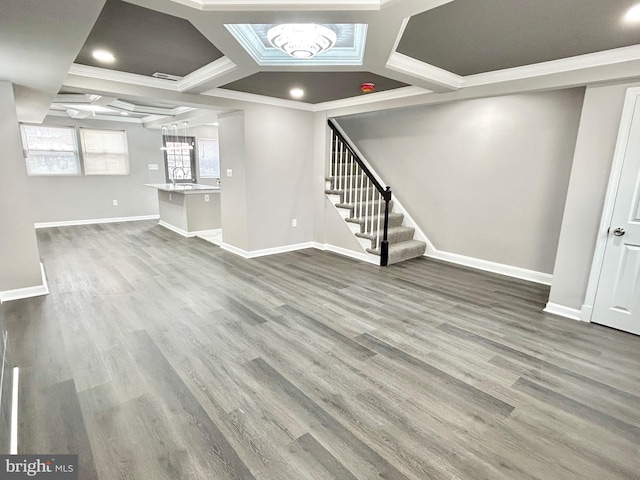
(93, 221)
(586, 312)
(502, 269)
(184, 233)
(266, 251)
(561, 310)
(26, 292)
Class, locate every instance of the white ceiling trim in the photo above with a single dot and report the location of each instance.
(123, 77)
(424, 71)
(394, 94)
(262, 99)
(279, 5)
(580, 62)
(109, 118)
(213, 70)
(209, 72)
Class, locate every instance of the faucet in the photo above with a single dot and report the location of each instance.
(173, 174)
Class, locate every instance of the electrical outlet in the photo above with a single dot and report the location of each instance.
(206, 198)
(115, 203)
(294, 222)
(153, 166)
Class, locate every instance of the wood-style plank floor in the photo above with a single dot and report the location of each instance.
(159, 357)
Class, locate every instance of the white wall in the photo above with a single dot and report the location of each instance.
(484, 178)
(592, 162)
(59, 199)
(274, 167)
(19, 255)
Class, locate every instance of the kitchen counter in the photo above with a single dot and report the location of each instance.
(186, 188)
(189, 209)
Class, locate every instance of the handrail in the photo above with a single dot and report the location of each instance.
(357, 196)
(356, 157)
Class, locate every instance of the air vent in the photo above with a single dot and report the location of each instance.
(166, 76)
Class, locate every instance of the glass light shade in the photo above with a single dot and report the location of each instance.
(301, 40)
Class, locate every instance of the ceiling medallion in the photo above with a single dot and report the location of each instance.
(301, 40)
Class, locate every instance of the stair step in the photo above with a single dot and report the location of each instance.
(395, 220)
(394, 235)
(373, 207)
(399, 252)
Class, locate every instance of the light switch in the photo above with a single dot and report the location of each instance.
(206, 198)
(229, 172)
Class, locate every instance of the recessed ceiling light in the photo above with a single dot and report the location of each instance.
(297, 93)
(103, 56)
(124, 113)
(633, 14)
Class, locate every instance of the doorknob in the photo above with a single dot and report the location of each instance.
(618, 232)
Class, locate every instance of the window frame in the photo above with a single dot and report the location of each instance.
(217, 157)
(84, 156)
(76, 151)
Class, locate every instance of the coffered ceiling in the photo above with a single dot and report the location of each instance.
(414, 51)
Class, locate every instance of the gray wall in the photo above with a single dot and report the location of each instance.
(270, 150)
(484, 178)
(58, 199)
(19, 256)
(592, 162)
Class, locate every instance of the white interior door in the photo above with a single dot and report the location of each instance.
(617, 302)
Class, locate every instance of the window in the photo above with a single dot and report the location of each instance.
(104, 152)
(208, 158)
(179, 158)
(50, 150)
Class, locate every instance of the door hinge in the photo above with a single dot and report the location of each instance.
(608, 230)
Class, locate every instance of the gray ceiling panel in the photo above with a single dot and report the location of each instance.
(145, 41)
(474, 36)
(318, 86)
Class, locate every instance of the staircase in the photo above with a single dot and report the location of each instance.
(367, 206)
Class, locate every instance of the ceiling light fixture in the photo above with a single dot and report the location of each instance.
(633, 14)
(103, 56)
(296, 92)
(301, 40)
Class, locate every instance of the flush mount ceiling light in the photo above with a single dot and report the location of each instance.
(296, 92)
(302, 40)
(633, 14)
(103, 56)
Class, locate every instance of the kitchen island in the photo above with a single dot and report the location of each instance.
(189, 209)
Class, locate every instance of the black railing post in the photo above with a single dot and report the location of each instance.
(384, 246)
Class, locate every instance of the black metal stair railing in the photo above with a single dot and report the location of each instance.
(361, 192)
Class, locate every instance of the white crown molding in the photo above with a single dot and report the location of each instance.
(207, 73)
(93, 221)
(561, 310)
(253, 98)
(27, 292)
(123, 77)
(580, 62)
(394, 94)
(109, 118)
(279, 5)
(415, 68)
